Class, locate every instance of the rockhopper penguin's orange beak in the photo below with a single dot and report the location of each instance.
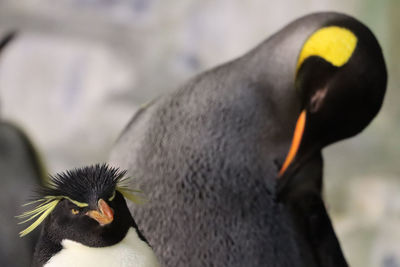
(104, 213)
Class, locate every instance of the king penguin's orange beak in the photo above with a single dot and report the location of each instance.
(104, 213)
(294, 147)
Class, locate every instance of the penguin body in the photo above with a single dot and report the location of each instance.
(231, 161)
(86, 222)
(131, 251)
(20, 170)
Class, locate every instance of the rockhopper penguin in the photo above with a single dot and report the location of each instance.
(86, 221)
(232, 160)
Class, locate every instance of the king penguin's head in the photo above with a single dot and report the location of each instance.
(339, 82)
(340, 79)
(85, 205)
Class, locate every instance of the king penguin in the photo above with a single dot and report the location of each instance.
(231, 161)
(86, 221)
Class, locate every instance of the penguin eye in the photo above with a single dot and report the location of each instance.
(74, 211)
(112, 197)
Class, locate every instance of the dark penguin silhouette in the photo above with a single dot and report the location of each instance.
(20, 170)
(86, 222)
(6, 39)
(232, 160)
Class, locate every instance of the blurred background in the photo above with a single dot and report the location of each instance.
(79, 69)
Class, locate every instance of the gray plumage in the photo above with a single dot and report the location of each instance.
(208, 156)
(20, 172)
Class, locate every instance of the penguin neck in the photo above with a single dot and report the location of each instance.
(304, 174)
(302, 198)
(45, 248)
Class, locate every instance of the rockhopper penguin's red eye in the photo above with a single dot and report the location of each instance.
(74, 211)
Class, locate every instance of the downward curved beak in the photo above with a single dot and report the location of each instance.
(103, 215)
(296, 141)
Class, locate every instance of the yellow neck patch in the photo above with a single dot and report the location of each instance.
(334, 44)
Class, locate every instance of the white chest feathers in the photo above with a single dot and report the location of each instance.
(130, 252)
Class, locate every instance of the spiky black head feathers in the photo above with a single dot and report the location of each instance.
(85, 185)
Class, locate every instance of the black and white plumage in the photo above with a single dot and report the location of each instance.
(86, 221)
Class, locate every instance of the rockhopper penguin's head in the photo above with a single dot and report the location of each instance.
(85, 205)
